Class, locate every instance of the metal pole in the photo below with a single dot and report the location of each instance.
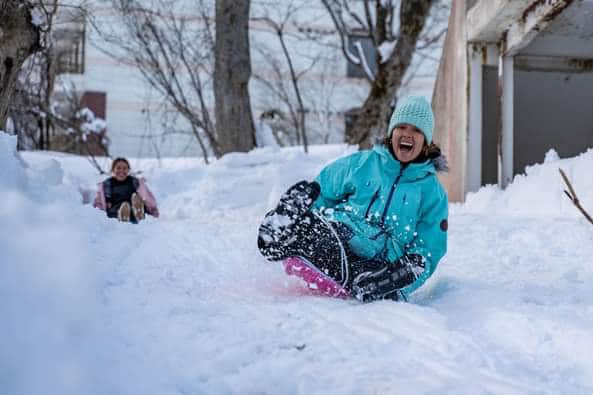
(505, 149)
(474, 144)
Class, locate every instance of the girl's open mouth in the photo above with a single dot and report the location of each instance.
(406, 146)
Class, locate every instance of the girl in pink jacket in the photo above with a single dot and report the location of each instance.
(123, 196)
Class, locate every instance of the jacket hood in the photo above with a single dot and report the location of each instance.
(440, 163)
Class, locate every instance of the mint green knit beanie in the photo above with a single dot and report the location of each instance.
(416, 111)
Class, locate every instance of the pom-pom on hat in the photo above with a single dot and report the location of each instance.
(416, 111)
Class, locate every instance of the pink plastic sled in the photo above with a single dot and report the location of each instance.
(318, 282)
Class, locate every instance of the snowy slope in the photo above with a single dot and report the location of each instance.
(186, 305)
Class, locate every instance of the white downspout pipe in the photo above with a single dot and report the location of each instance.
(506, 136)
(474, 143)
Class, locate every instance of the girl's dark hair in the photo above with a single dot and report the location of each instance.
(117, 160)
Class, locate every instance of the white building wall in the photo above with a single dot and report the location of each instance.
(135, 112)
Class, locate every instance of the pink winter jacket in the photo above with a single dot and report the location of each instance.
(147, 196)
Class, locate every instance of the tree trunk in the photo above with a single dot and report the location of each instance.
(19, 38)
(374, 116)
(232, 70)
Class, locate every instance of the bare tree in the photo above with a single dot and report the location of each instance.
(296, 73)
(320, 97)
(42, 118)
(20, 37)
(30, 103)
(173, 52)
(278, 26)
(34, 86)
(396, 29)
(231, 76)
(310, 114)
(172, 45)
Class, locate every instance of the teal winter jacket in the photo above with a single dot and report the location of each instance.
(392, 209)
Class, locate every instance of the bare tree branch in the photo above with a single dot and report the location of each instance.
(172, 55)
(280, 91)
(370, 27)
(414, 18)
(294, 76)
(571, 194)
(334, 10)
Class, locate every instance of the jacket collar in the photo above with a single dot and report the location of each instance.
(411, 172)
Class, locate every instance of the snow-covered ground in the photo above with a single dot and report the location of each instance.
(186, 305)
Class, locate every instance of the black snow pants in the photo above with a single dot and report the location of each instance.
(294, 230)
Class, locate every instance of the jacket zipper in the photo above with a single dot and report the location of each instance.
(391, 195)
(375, 196)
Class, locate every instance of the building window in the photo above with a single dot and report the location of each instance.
(355, 71)
(96, 102)
(70, 48)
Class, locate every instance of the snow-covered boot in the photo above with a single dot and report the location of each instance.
(137, 207)
(297, 200)
(123, 214)
(277, 228)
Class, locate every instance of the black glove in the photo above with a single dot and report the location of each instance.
(385, 282)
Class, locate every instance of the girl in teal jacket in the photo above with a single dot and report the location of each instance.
(374, 221)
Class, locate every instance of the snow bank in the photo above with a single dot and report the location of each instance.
(50, 286)
(540, 191)
(12, 173)
(186, 305)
